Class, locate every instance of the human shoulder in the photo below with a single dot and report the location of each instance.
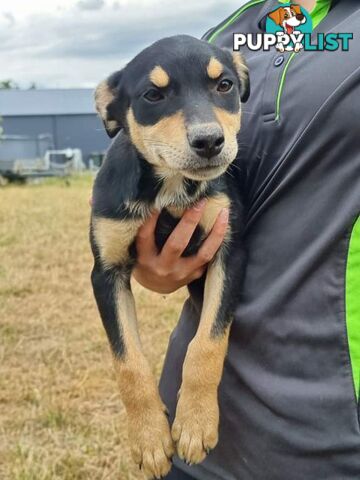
(246, 16)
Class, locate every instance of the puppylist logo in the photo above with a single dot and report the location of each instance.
(289, 28)
(289, 24)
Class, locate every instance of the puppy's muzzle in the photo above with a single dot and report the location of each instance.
(206, 141)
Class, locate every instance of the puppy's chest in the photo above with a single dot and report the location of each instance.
(167, 222)
(172, 209)
(174, 193)
(171, 216)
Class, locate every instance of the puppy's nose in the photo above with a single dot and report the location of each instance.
(300, 17)
(207, 142)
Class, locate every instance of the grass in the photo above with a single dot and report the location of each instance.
(60, 413)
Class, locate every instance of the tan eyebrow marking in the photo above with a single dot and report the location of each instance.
(159, 77)
(215, 68)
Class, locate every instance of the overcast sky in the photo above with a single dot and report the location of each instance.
(74, 43)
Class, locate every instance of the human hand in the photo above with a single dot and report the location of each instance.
(167, 271)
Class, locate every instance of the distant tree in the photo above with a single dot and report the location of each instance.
(8, 85)
(12, 85)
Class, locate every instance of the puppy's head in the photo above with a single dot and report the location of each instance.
(180, 102)
(288, 17)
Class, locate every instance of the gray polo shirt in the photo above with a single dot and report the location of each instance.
(289, 397)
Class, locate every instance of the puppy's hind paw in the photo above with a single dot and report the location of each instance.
(151, 444)
(195, 429)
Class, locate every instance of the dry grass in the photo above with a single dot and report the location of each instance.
(60, 414)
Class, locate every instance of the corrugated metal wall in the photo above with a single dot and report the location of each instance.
(68, 131)
(17, 147)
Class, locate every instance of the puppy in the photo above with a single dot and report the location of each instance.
(174, 112)
(289, 18)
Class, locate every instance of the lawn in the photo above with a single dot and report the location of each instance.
(60, 413)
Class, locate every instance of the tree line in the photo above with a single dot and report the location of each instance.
(12, 85)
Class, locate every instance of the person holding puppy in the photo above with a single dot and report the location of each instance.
(289, 398)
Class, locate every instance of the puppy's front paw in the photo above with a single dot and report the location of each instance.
(280, 47)
(195, 428)
(151, 443)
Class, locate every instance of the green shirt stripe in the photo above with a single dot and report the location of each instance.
(353, 304)
(320, 11)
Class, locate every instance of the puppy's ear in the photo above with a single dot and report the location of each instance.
(297, 9)
(108, 103)
(276, 16)
(243, 75)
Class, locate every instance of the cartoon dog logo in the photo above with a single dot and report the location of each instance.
(289, 18)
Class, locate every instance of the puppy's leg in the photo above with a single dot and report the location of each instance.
(195, 429)
(149, 431)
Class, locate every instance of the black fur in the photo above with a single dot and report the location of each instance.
(188, 62)
(126, 176)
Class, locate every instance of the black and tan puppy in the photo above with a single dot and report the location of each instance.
(175, 114)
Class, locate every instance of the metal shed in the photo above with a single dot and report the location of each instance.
(68, 115)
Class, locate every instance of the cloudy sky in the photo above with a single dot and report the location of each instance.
(74, 43)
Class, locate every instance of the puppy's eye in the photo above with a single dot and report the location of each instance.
(225, 86)
(153, 95)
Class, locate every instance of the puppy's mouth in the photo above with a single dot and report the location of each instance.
(289, 29)
(194, 167)
(204, 172)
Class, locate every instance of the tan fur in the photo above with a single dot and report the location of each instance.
(296, 9)
(149, 431)
(103, 97)
(212, 298)
(212, 210)
(126, 311)
(195, 428)
(165, 144)
(148, 428)
(215, 68)
(173, 194)
(279, 15)
(135, 379)
(113, 238)
(241, 68)
(197, 417)
(230, 123)
(148, 138)
(159, 77)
